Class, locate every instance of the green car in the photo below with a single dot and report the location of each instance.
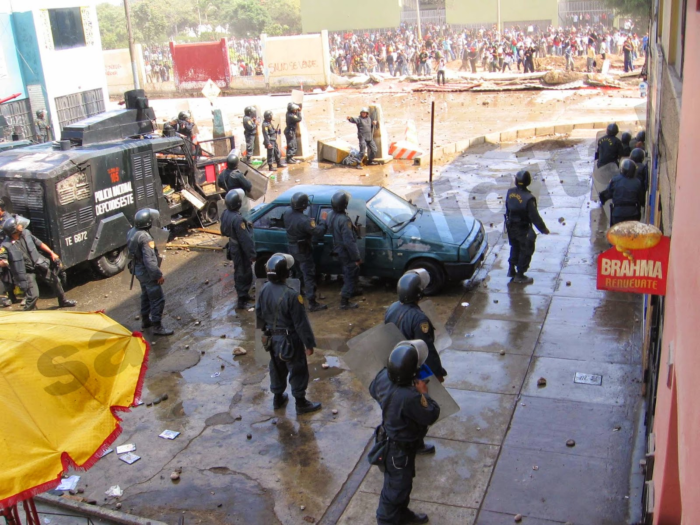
(396, 235)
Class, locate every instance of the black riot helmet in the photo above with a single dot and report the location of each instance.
(232, 161)
(300, 201)
(278, 267)
(637, 155)
(340, 201)
(295, 108)
(641, 136)
(612, 130)
(143, 220)
(10, 227)
(168, 130)
(523, 179)
(234, 199)
(290, 106)
(268, 115)
(412, 284)
(628, 168)
(405, 360)
(183, 115)
(250, 111)
(626, 137)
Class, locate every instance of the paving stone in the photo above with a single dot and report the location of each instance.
(498, 281)
(582, 490)
(493, 335)
(621, 383)
(591, 312)
(484, 372)
(483, 418)
(586, 286)
(589, 343)
(497, 518)
(454, 464)
(508, 307)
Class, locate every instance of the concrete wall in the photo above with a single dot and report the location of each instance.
(194, 64)
(120, 77)
(481, 12)
(295, 60)
(340, 15)
(677, 421)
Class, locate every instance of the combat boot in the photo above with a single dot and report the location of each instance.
(271, 167)
(511, 270)
(5, 302)
(67, 303)
(521, 278)
(245, 303)
(146, 322)
(279, 401)
(410, 517)
(315, 306)
(426, 448)
(159, 329)
(304, 406)
(345, 304)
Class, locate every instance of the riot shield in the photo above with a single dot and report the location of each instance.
(368, 353)
(258, 180)
(262, 358)
(357, 211)
(601, 180)
(442, 338)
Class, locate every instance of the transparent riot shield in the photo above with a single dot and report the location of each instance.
(601, 180)
(259, 181)
(262, 357)
(357, 211)
(442, 338)
(368, 353)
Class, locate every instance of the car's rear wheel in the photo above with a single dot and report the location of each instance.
(260, 262)
(210, 213)
(437, 275)
(111, 263)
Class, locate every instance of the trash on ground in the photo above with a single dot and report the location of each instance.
(123, 449)
(69, 483)
(239, 351)
(129, 458)
(169, 434)
(216, 374)
(114, 492)
(108, 451)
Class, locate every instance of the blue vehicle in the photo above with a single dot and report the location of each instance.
(396, 235)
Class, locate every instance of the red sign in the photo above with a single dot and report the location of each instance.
(635, 271)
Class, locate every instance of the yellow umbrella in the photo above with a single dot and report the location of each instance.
(63, 378)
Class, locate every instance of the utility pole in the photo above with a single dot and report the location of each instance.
(420, 34)
(498, 15)
(132, 48)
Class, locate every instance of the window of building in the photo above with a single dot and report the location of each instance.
(67, 28)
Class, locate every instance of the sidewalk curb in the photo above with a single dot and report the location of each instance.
(95, 511)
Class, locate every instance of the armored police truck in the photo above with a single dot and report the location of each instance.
(81, 193)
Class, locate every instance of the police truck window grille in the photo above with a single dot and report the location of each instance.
(73, 188)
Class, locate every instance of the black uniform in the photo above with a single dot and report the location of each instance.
(249, 131)
(6, 284)
(365, 134)
(301, 229)
(233, 179)
(26, 264)
(627, 199)
(642, 175)
(414, 324)
(345, 247)
(290, 133)
(270, 141)
(241, 250)
(406, 415)
(626, 150)
(521, 214)
(146, 267)
(185, 127)
(609, 150)
(280, 311)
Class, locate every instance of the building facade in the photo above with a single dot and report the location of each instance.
(672, 359)
(54, 53)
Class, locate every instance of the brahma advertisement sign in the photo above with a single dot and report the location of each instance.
(637, 262)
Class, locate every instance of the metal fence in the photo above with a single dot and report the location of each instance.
(78, 106)
(18, 115)
(584, 12)
(427, 16)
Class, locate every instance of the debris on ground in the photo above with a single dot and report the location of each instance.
(541, 382)
(571, 443)
(114, 492)
(239, 351)
(169, 434)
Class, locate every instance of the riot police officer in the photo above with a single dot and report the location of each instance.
(521, 214)
(288, 336)
(640, 139)
(250, 127)
(609, 147)
(345, 247)
(407, 412)
(290, 131)
(270, 141)
(43, 130)
(19, 253)
(241, 247)
(365, 134)
(627, 194)
(232, 178)
(625, 140)
(638, 157)
(301, 229)
(145, 265)
(6, 285)
(184, 124)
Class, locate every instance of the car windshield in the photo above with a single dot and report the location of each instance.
(391, 209)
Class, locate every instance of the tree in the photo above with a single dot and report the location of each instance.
(285, 17)
(112, 26)
(640, 9)
(246, 18)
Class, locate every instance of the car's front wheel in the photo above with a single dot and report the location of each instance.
(437, 275)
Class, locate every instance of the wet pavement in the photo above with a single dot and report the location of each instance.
(242, 462)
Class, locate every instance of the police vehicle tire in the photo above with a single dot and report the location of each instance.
(111, 263)
(210, 213)
(437, 275)
(260, 262)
